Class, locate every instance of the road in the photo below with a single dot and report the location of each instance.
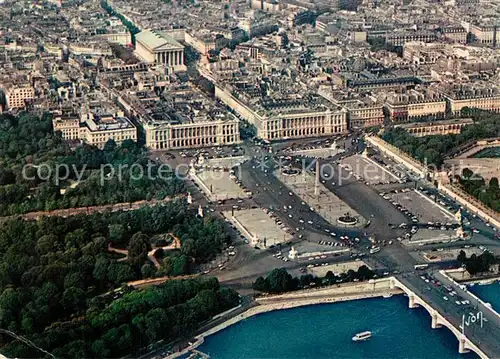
(486, 337)
(90, 209)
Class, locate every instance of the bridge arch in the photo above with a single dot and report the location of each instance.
(464, 344)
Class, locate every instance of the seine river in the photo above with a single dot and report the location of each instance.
(325, 331)
(488, 293)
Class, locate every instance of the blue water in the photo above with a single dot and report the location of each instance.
(325, 331)
(488, 293)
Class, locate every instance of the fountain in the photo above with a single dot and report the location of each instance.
(347, 219)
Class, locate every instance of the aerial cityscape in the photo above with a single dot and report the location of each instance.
(250, 179)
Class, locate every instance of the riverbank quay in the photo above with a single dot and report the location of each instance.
(460, 275)
(267, 303)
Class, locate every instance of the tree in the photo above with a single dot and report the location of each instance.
(148, 270)
(365, 273)
(306, 279)
(101, 269)
(180, 265)
(74, 280)
(260, 284)
(139, 245)
(100, 349)
(330, 277)
(467, 173)
(494, 183)
(461, 258)
(7, 176)
(119, 273)
(279, 281)
(228, 297)
(478, 264)
(117, 233)
(73, 300)
(48, 243)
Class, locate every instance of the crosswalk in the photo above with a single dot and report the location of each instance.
(331, 244)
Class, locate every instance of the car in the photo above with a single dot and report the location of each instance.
(290, 193)
(310, 222)
(301, 220)
(290, 216)
(445, 297)
(458, 302)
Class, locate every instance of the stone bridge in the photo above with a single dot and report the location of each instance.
(438, 320)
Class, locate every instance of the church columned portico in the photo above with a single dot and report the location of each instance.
(157, 46)
(170, 58)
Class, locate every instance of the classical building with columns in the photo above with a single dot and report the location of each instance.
(156, 46)
(184, 118)
(204, 133)
(286, 118)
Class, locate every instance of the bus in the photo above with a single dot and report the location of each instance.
(421, 266)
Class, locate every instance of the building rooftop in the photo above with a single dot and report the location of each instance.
(155, 39)
(108, 123)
